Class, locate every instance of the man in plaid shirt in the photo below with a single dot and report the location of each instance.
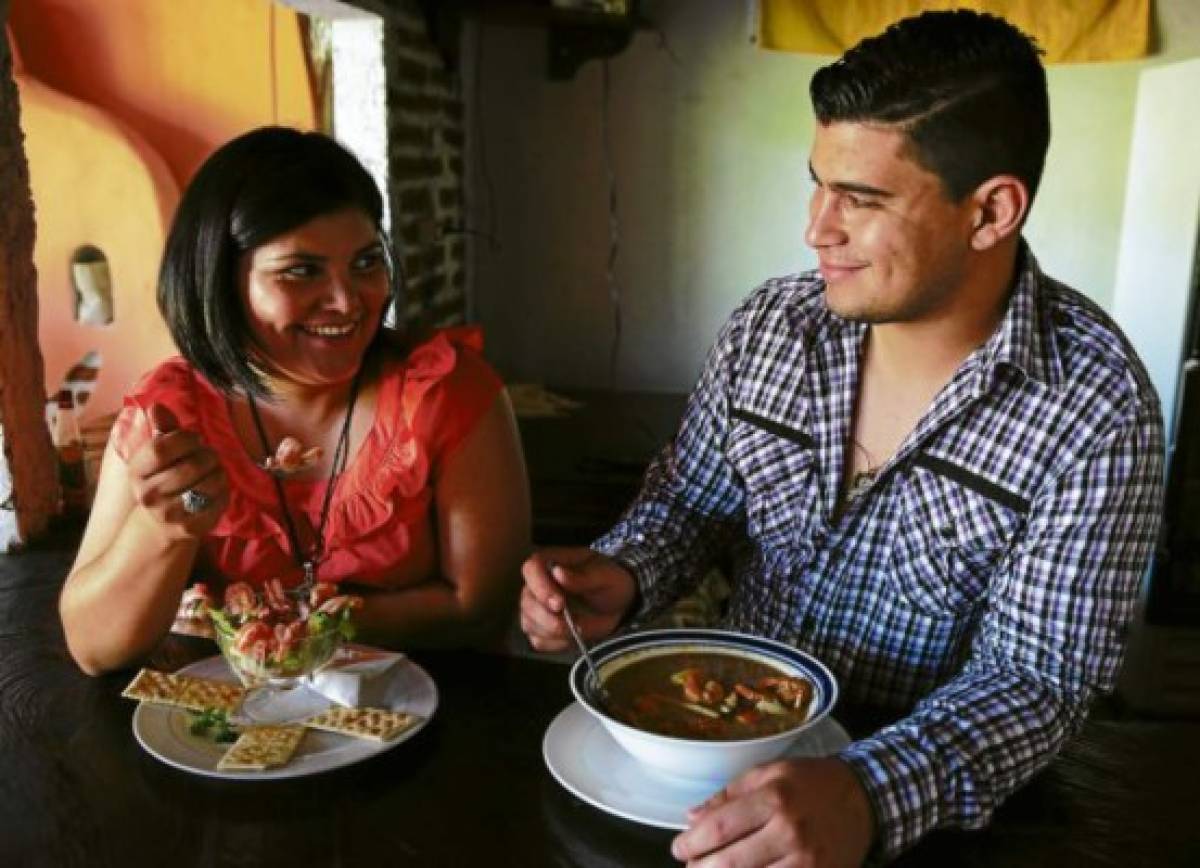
(928, 464)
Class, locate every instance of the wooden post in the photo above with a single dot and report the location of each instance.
(28, 452)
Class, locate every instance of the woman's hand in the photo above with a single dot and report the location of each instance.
(170, 463)
(600, 589)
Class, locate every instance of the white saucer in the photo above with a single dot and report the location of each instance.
(583, 757)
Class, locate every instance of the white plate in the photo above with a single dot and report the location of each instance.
(586, 760)
(163, 731)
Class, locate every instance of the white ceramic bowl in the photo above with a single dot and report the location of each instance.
(694, 759)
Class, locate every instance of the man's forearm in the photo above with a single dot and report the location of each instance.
(963, 750)
(665, 546)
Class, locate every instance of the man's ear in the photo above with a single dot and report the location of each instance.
(1000, 205)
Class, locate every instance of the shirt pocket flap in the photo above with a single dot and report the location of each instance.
(954, 529)
(777, 466)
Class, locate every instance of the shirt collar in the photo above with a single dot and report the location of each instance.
(1024, 339)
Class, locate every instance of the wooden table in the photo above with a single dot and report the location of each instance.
(471, 789)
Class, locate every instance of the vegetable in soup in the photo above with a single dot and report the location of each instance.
(707, 695)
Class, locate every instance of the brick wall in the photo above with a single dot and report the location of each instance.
(425, 133)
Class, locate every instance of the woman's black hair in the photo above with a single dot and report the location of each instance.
(968, 89)
(250, 190)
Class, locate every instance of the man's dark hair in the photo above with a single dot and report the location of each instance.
(250, 190)
(968, 89)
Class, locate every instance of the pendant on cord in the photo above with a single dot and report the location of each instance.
(860, 483)
(340, 457)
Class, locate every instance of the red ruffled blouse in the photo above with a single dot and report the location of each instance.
(427, 403)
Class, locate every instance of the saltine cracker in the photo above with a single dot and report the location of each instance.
(184, 691)
(261, 747)
(374, 724)
(150, 685)
(199, 694)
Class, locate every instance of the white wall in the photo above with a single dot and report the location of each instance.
(360, 95)
(1157, 258)
(710, 139)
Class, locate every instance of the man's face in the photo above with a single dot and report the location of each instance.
(892, 247)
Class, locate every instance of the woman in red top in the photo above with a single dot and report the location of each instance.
(274, 284)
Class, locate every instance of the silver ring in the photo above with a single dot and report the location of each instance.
(194, 501)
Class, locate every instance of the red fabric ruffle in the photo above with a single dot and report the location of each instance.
(384, 495)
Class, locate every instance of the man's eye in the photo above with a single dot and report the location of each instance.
(854, 201)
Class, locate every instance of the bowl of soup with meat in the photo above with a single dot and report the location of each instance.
(704, 704)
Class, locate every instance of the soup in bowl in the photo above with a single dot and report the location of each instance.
(704, 705)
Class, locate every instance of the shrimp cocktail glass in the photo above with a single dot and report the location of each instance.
(273, 640)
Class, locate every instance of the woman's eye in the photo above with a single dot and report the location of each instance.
(300, 271)
(369, 261)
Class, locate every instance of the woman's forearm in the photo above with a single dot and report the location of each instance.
(434, 614)
(119, 605)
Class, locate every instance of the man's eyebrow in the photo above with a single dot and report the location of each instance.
(852, 186)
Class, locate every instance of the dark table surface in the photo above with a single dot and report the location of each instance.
(471, 788)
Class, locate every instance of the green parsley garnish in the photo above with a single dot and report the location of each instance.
(213, 723)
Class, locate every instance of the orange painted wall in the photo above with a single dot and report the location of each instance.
(121, 102)
(95, 182)
(186, 75)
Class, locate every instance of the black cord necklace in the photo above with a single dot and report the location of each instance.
(340, 457)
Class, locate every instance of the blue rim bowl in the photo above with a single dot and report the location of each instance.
(714, 762)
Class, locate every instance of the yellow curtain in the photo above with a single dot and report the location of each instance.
(1069, 31)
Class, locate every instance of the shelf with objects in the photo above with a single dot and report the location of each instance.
(576, 30)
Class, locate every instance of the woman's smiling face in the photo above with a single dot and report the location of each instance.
(314, 297)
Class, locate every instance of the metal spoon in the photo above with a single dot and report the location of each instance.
(597, 689)
(599, 694)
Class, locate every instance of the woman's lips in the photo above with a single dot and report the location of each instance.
(329, 331)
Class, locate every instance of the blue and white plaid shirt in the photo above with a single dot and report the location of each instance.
(984, 583)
